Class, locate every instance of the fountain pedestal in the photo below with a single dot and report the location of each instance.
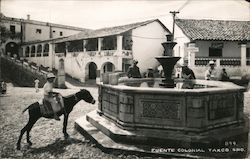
(167, 63)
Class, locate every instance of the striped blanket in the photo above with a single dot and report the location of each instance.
(47, 107)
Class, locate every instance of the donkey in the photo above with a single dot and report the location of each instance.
(69, 103)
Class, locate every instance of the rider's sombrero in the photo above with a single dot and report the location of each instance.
(51, 75)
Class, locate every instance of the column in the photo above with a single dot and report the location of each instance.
(100, 44)
(119, 64)
(217, 63)
(84, 43)
(243, 51)
(61, 74)
(119, 44)
(52, 55)
(191, 55)
(66, 48)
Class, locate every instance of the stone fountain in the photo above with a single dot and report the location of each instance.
(154, 116)
(168, 62)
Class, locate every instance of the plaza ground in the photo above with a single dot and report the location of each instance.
(46, 135)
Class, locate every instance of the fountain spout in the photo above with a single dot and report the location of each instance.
(168, 62)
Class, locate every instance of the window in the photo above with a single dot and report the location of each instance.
(33, 51)
(91, 45)
(248, 56)
(12, 29)
(75, 46)
(39, 31)
(215, 50)
(248, 53)
(27, 51)
(46, 50)
(61, 33)
(39, 50)
(127, 41)
(109, 43)
(54, 31)
(60, 48)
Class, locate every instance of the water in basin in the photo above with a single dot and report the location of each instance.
(190, 84)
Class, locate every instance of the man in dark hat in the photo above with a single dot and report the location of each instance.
(134, 70)
(186, 72)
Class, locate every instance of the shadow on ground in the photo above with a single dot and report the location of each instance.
(58, 147)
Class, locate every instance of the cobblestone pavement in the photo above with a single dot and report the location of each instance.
(46, 135)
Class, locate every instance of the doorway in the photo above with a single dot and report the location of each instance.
(11, 48)
(92, 70)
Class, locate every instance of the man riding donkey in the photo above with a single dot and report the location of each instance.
(52, 101)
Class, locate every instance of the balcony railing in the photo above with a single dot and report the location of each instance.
(92, 53)
(108, 52)
(127, 52)
(225, 61)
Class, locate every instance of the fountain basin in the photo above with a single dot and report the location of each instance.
(220, 104)
(139, 112)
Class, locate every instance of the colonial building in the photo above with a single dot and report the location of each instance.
(15, 32)
(225, 42)
(90, 53)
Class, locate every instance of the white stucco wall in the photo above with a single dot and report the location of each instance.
(147, 44)
(230, 48)
(182, 41)
(66, 32)
(76, 66)
(7, 25)
(32, 35)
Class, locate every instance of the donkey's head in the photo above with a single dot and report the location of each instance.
(85, 95)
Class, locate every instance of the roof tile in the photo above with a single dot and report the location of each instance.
(215, 29)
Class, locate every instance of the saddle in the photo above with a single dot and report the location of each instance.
(49, 106)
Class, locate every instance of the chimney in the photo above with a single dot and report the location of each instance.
(28, 17)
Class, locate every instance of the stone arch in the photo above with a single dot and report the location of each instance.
(27, 51)
(33, 51)
(11, 48)
(39, 50)
(46, 49)
(91, 71)
(107, 67)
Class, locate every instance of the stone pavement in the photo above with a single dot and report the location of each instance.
(46, 135)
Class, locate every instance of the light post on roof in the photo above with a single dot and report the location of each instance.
(173, 14)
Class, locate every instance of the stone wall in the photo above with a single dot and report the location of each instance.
(20, 74)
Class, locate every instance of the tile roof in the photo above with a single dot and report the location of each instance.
(215, 29)
(109, 31)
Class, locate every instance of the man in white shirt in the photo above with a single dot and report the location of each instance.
(211, 73)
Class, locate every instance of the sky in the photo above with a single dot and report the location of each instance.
(97, 14)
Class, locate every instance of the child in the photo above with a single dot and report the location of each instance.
(37, 85)
(48, 93)
(4, 87)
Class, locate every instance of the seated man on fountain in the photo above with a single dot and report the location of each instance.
(186, 72)
(134, 70)
(211, 73)
(150, 73)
